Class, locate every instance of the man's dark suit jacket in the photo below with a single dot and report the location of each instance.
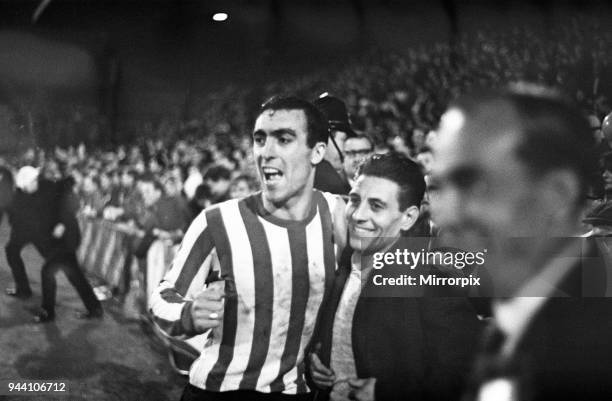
(33, 216)
(566, 351)
(416, 348)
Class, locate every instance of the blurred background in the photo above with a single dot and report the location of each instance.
(110, 72)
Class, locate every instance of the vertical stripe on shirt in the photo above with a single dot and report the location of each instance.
(328, 240)
(300, 282)
(244, 286)
(197, 226)
(264, 296)
(280, 260)
(230, 318)
(318, 246)
(198, 253)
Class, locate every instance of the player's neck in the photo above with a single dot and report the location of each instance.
(296, 208)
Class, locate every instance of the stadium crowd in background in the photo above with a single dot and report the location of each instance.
(160, 178)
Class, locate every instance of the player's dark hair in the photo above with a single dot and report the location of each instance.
(316, 125)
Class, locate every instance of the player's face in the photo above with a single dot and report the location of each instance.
(480, 192)
(373, 214)
(356, 150)
(285, 163)
(240, 189)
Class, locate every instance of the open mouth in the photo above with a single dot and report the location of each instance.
(271, 174)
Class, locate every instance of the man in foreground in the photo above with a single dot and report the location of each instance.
(509, 174)
(269, 261)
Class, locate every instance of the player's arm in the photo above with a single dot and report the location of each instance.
(169, 307)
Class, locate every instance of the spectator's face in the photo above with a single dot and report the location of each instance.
(218, 188)
(150, 194)
(373, 214)
(240, 189)
(418, 139)
(89, 185)
(399, 145)
(139, 166)
(172, 186)
(105, 182)
(425, 159)
(127, 180)
(154, 166)
(356, 150)
(51, 171)
(31, 186)
(285, 163)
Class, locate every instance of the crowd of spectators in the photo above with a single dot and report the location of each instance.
(162, 179)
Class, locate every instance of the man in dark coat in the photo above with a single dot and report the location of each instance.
(43, 213)
(510, 174)
(32, 213)
(7, 189)
(374, 342)
(60, 254)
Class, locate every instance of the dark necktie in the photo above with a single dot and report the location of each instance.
(489, 363)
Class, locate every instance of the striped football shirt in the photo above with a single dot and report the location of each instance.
(276, 275)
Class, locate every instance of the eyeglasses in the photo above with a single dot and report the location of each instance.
(357, 152)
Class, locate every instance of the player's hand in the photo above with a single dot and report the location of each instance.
(363, 389)
(207, 309)
(58, 230)
(322, 375)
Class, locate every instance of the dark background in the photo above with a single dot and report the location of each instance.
(135, 60)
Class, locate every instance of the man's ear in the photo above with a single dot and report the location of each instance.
(562, 189)
(409, 217)
(317, 153)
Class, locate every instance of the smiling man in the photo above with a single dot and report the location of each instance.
(510, 172)
(382, 346)
(268, 260)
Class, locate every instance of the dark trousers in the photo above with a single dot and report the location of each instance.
(67, 262)
(193, 393)
(13, 256)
